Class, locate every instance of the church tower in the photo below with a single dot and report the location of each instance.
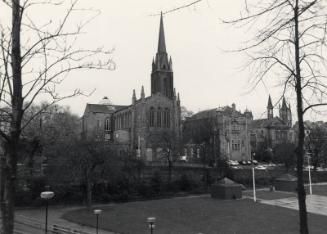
(270, 109)
(285, 113)
(162, 80)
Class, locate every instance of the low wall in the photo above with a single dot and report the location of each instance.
(197, 172)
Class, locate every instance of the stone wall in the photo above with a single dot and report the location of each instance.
(197, 172)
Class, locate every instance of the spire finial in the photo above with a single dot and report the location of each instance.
(162, 43)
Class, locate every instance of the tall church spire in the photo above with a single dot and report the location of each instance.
(162, 80)
(162, 42)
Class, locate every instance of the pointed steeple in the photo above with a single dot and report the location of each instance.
(270, 109)
(162, 42)
(134, 97)
(284, 105)
(162, 80)
(142, 92)
(269, 106)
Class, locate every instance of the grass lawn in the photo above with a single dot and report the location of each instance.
(198, 214)
(318, 190)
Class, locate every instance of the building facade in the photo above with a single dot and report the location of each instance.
(225, 130)
(144, 126)
(273, 130)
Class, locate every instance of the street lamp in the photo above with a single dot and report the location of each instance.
(151, 222)
(97, 213)
(310, 185)
(253, 178)
(46, 195)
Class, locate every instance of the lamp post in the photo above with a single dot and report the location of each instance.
(151, 222)
(310, 185)
(97, 213)
(253, 178)
(46, 195)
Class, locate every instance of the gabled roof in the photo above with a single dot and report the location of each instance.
(275, 122)
(100, 108)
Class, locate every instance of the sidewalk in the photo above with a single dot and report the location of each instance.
(315, 204)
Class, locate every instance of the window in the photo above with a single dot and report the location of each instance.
(166, 118)
(107, 126)
(159, 117)
(151, 117)
(236, 145)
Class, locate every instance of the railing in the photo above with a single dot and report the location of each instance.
(57, 229)
(54, 229)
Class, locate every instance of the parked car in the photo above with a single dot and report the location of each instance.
(232, 163)
(255, 162)
(260, 167)
(236, 167)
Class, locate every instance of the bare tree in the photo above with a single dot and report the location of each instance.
(169, 144)
(315, 141)
(290, 41)
(35, 58)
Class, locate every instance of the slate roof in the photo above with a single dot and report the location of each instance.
(100, 108)
(269, 123)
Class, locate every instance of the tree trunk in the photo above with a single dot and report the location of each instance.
(10, 167)
(299, 151)
(170, 170)
(9, 186)
(88, 191)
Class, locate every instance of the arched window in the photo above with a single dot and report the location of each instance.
(167, 118)
(107, 126)
(151, 117)
(159, 117)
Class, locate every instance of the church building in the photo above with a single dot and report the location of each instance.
(149, 123)
(273, 130)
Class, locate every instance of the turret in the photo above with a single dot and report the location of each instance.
(134, 97)
(270, 109)
(142, 93)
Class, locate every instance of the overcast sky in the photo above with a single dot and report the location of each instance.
(204, 74)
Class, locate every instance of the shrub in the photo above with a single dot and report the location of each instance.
(156, 183)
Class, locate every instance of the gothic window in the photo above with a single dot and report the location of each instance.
(159, 117)
(107, 124)
(151, 117)
(236, 145)
(166, 118)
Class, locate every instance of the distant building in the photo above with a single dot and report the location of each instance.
(139, 127)
(225, 130)
(272, 130)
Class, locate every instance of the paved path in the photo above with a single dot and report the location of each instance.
(315, 204)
